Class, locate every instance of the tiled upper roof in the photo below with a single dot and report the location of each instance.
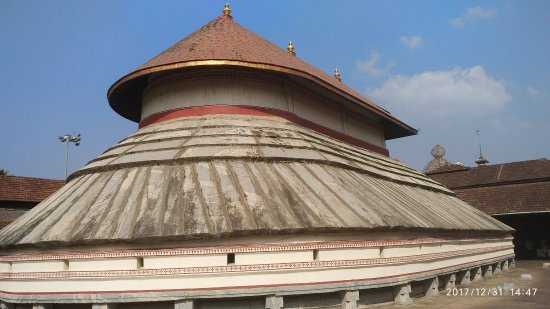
(224, 43)
(27, 189)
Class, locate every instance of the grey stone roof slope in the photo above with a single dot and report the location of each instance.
(219, 175)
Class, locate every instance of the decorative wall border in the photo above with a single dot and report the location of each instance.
(248, 268)
(238, 248)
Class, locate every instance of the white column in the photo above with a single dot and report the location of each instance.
(497, 269)
(465, 279)
(433, 289)
(505, 266)
(274, 302)
(104, 306)
(451, 282)
(184, 304)
(402, 294)
(489, 272)
(512, 263)
(350, 299)
(477, 274)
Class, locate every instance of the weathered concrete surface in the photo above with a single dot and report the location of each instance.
(506, 280)
(238, 174)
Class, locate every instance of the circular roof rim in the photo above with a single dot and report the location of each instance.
(363, 102)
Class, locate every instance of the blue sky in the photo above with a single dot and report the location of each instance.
(447, 68)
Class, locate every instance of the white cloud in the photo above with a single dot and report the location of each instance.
(532, 91)
(372, 65)
(412, 42)
(442, 93)
(472, 14)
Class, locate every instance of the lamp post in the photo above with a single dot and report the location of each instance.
(67, 139)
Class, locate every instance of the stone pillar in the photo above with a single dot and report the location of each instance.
(477, 274)
(497, 269)
(505, 266)
(488, 272)
(274, 302)
(512, 263)
(42, 306)
(4, 305)
(451, 282)
(104, 306)
(184, 304)
(350, 299)
(465, 278)
(433, 289)
(402, 294)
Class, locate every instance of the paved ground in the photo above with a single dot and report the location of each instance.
(540, 280)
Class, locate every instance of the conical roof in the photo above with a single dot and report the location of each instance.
(225, 175)
(224, 43)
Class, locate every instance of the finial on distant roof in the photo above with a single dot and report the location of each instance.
(227, 10)
(481, 160)
(290, 48)
(337, 74)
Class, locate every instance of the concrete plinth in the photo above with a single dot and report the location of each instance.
(184, 304)
(465, 278)
(274, 302)
(477, 274)
(433, 289)
(488, 272)
(451, 282)
(6, 306)
(403, 294)
(104, 306)
(497, 270)
(350, 299)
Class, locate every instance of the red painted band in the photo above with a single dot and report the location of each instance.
(258, 111)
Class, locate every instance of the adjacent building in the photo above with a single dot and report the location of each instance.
(19, 194)
(515, 193)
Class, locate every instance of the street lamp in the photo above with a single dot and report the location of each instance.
(67, 138)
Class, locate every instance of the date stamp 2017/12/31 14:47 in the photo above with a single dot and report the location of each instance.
(497, 291)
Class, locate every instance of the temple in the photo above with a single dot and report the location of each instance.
(254, 180)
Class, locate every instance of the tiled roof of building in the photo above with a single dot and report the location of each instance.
(492, 174)
(27, 189)
(224, 43)
(514, 187)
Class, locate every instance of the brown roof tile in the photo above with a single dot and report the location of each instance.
(223, 39)
(492, 174)
(27, 189)
(514, 187)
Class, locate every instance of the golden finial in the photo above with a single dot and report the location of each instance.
(290, 48)
(337, 74)
(227, 10)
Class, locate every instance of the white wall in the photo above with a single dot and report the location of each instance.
(175, 92)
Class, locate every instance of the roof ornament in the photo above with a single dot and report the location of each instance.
(227, 10)
(337, 75)
(290, 48)
(481, 160)
(438, 161)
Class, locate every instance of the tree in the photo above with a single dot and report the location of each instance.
(4, 172)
